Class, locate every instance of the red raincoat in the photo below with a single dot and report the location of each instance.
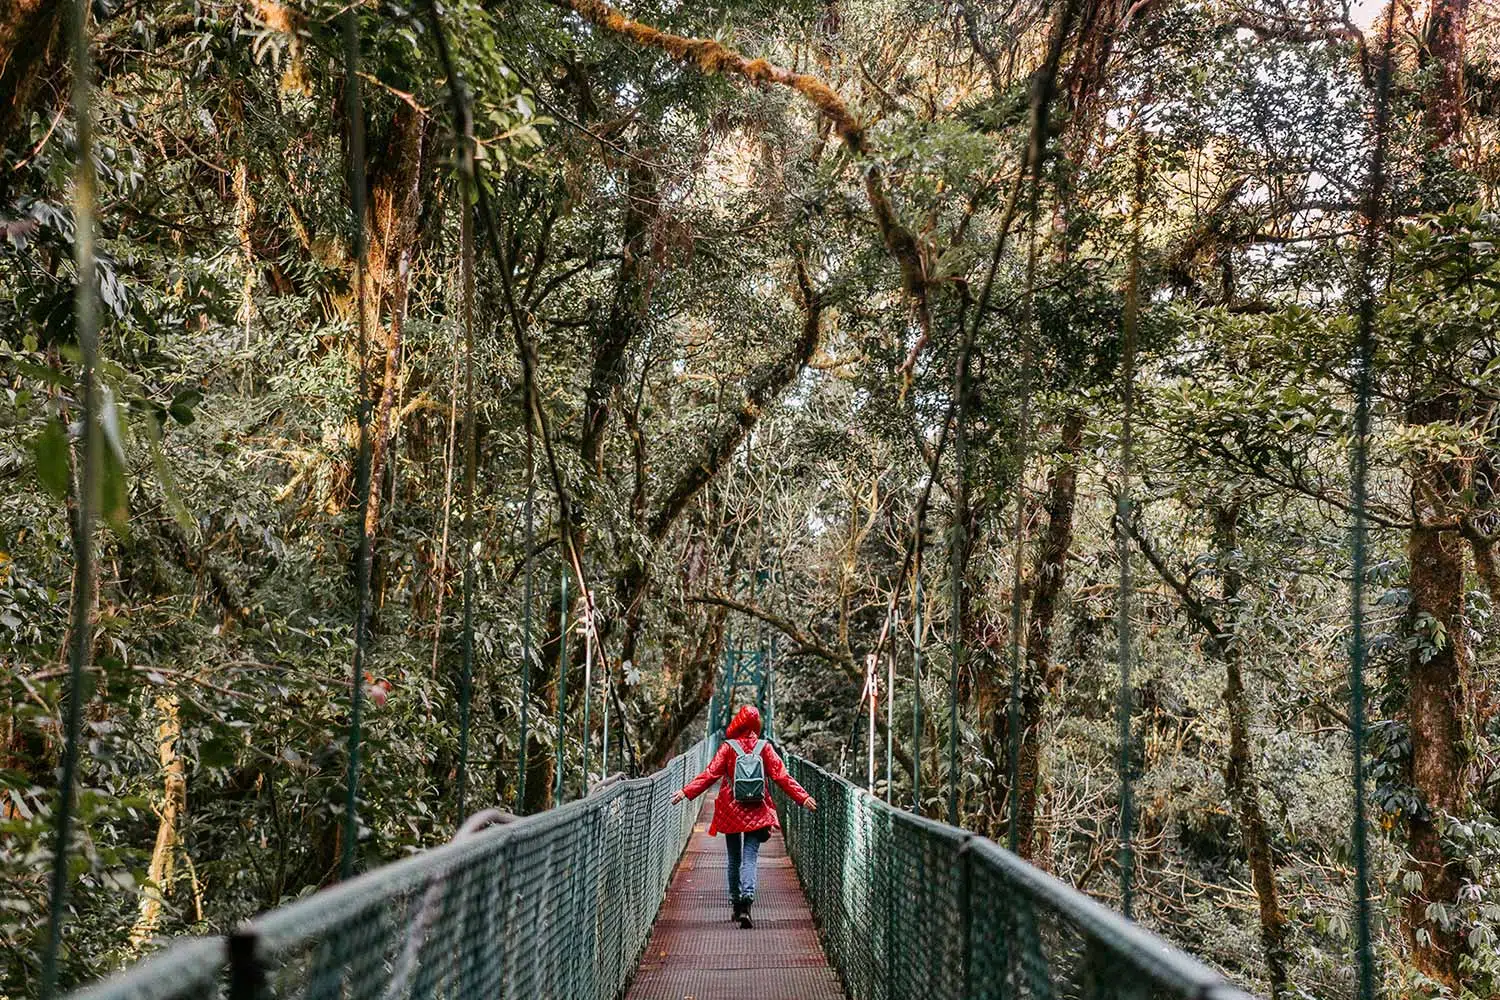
(731, 816)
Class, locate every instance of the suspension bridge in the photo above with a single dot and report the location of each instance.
(619, 894)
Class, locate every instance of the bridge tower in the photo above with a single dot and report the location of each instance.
(744, 669)
(747, 668)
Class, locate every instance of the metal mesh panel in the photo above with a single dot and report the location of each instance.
(191, 969)
(912, 909)
(554, 905)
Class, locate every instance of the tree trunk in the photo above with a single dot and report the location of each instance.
(389, 384)
(1444, 39)
(1048, 575)
(622, 325)
(31, 46)
(394, 214)
(169, 826)
(1436, 678)
(1436, 686)
(1239, 770)
(541, 758)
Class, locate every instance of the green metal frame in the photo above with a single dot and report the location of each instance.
(913, 909)
(743, 668)
(559, 904)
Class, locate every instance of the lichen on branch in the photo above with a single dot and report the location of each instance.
(716, 59)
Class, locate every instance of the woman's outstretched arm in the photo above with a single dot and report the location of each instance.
(715, 770)
(779, 774)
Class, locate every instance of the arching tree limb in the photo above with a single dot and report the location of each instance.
(805, 643)
(715, 59)
(766, 386)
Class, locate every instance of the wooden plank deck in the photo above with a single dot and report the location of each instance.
(697, 953)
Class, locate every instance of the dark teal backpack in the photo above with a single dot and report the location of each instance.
(749, 774)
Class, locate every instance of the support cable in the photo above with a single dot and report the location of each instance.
(355, 117)
(464, 137)
(559, 789)
(528, 597)
(589, 643)
(604, 743)
(86, 306)
(890, 722)
(1124, 645)
(917, 636)
(1374, 212)
(958, 542)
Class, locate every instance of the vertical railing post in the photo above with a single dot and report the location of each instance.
(559, 789)
(247, 975)
(887, 854)
(965, 916)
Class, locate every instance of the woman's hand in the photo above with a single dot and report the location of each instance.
(811, 805)
(678, 796)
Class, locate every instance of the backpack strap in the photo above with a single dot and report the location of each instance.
(740, 751)
(760, 746)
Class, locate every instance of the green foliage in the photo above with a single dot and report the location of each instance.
(658, 221)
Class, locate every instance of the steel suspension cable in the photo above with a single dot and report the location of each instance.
(604, 742)
(890, 722)
(355, 117)
(1124, 645)
(527, 598)
(449, 447)
(559, 789)
(916, 678)
(588, 681)
(464, 139)
(956, 565)
(1374, 212)
(86, 307)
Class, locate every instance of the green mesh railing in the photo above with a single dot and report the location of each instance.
(190, 969)
(554, 905)
(913, 909)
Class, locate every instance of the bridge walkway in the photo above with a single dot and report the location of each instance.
(696, 951)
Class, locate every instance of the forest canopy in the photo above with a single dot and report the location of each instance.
(868, 334)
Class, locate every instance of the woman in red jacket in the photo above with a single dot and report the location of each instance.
(745, 825)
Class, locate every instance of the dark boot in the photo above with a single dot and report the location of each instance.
(744, 913)
(741, 911)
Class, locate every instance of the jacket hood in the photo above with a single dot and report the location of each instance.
(746, 723)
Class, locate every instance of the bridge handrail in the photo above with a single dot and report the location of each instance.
(188, 969)
(913, 909)
(556, 904)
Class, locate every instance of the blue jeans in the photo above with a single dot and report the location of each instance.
(744, 856)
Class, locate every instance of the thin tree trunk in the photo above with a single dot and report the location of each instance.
(1048, 578)
(169, 826)
(380, 446)
(440, 570)
(1239, 770)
